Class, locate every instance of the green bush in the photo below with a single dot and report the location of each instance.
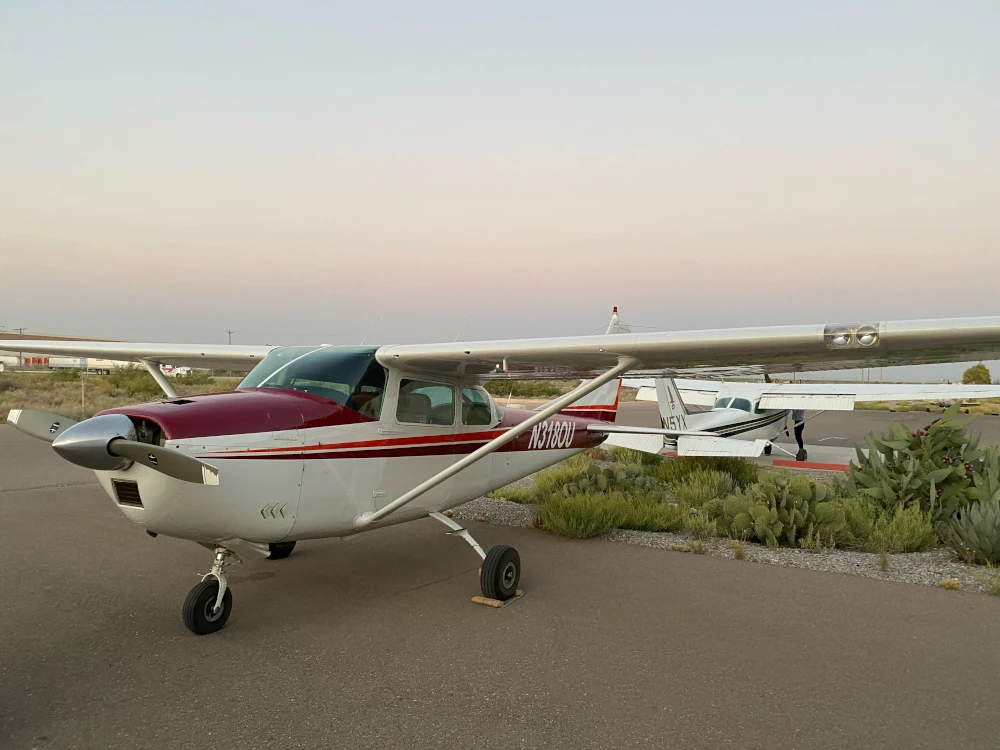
(629, 456)
(934, 468)
(582, 516)
(672, 470)
(977, 375)
(701, 486)
(530, 388)
(643, 513)
(698, 524)
(906, 529)
(975, 531)
(135, 381)
(66, 376)
(514, 495)
(195, 377)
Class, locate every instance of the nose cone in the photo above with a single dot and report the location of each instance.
(86, 443)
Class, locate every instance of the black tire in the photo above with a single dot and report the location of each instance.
(197, 612)
(767, 450)
(279, 550)
(500, 573)
(802, 455)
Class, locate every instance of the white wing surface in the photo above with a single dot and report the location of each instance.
(772, 349)
(843, 396)
(217, 356)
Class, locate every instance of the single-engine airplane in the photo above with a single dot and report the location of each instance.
(328, 441)
(746, 418)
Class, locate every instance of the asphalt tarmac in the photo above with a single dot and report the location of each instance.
(373, 642)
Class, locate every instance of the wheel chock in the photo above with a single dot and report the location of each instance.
(497, 603)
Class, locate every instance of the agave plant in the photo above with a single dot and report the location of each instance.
(975, 531)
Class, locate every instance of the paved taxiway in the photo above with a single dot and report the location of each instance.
(373, 642)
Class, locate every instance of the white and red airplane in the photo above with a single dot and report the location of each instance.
(328, 441)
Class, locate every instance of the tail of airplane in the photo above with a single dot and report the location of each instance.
(603, 403)
(673, 412)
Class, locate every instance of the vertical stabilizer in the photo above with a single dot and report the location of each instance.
(603, 403)
(673, 413)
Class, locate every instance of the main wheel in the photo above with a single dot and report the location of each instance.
(802, 455)
(500, 572)
(767, 450)
(199, 612)
(279, 550)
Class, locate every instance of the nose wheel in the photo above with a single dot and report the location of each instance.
(209, 604)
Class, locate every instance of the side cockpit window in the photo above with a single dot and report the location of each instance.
(476, 407)
(423, 402)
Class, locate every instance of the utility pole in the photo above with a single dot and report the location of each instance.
(230, 331)
(20, 355)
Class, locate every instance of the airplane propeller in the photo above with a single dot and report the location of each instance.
(39, 424)
(108, 443)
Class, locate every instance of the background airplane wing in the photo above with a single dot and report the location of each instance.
(693, 392)
(843, 396)
(214, 356)
(772, 349)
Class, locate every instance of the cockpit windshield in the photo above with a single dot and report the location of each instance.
(722, 403)
(350, 376)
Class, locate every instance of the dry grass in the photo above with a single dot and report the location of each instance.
(85, 397)
(739, 549)
(952, 584)
(989, 406)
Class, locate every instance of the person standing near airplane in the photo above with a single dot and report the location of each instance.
(799, 422)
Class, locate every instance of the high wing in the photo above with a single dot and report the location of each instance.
(745, 350)
(215, 356)
(844, 395)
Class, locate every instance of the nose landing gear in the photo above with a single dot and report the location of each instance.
(209, 604)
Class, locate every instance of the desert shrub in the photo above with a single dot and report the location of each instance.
(975, 531)
(135, 381)
(514, 495)
(935, 467)
(698, 524)
(644, 513)
(672, 470)
(628, 479)
(905, 529)
(195, 377)
(66, 376)
(556, 476)
(630, 456)
(583, 515)
(701, 486)
(530, 388)
(860, 516)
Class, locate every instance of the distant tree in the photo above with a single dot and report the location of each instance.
(977, 375)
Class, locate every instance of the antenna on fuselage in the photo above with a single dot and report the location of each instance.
(463, 326)
(370, 329)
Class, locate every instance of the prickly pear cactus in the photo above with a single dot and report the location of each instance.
(623, 478)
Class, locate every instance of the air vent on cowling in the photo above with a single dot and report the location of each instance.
(127, 492)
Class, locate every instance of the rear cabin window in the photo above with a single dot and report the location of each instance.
(757, 409)
(740, 403)
(476, 407)
(422, 402)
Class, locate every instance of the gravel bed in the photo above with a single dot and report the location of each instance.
(925, 568)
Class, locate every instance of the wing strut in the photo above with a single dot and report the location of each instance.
(160, 378)
(624, 363)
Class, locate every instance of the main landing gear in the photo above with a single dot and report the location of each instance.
(279, 550)
(501, 569)
(209, 604)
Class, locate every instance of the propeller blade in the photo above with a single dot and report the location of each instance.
(39, 424)
(166, 461)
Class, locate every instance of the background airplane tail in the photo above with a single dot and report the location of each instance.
(673, 412)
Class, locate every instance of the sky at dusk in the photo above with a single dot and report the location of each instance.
(294, 170)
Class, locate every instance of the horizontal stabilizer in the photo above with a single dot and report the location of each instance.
(689, 445)
(644, 443)
(620, 428)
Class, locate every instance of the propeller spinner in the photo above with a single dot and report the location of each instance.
(108, 443)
